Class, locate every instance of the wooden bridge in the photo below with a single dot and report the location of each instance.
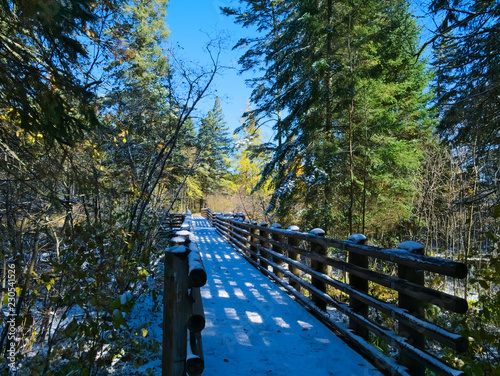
(252, 327)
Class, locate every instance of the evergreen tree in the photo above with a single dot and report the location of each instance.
(270, 18)
(248, 163)
(352, 93)
(214, 148)
(43, 52)
(468, 85)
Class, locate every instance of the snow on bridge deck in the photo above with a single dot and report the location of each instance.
(253, 328)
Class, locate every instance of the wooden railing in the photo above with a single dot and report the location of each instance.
(305, 265)
(183, 316)
(170, 224)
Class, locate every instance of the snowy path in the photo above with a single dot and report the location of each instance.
(253, 328)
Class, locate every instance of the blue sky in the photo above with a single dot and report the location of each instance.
(192, 23)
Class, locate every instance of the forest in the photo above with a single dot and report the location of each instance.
(376, 131)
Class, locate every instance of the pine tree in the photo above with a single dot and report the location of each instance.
(44, 48)
(214, 148)
(352, 93)
(468, 85)
(248, 163)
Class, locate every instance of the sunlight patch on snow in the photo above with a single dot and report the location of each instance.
(323, 340)
(206, 294)
(231, 313)
(242, 336)
(257, 294)
(305, 325)
(254, 317)
(239, 293)
(223, 294)
(278, 297)
(280, 322)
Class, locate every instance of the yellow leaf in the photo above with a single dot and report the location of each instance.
(144, 333)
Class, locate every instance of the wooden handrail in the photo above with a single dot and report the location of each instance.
(278, 252)
(183, 315)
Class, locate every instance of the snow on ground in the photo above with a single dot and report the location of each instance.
(253, 328)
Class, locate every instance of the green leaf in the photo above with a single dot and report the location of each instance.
(484, 284)
(495, 211)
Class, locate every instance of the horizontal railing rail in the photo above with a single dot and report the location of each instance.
(301, 263)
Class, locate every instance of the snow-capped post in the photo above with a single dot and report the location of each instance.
(177, 240)
(184, 234)
(319, 267)
(294, 242)
(414, 307)
(360, 284)
(175, 294)
(263, 242)
(253, 242)
(278, 249)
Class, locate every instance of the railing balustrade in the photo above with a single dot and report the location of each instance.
(183, 315)
(300, 263)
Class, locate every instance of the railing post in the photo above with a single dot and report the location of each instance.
(175, 295)
(360, 284)
(319, 267)
(244, 228)
(277, 249)
(414, 307)
(227, 229)
(253, 242)
(294, 242)
(263, 243)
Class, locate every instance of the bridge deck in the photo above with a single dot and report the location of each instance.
(253, 328)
